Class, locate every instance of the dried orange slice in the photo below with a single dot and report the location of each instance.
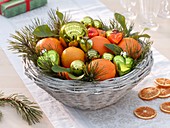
(165, 107)
(149, 93)
(145, 112)
(164, 82)
(164, 92)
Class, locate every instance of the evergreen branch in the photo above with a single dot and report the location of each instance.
(115, 25)
(104, 25)
(27, 109)
(35, 23)
(131, 26)
(145, 49)
(55, 22)
(24, 41)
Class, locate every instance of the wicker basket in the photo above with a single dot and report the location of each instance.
(88, 95)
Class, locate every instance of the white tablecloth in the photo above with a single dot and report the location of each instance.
(119, 115)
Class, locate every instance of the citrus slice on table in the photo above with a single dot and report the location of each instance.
(145, 112)
(164, 92)
(164, 82)
(149, 93)
(165, 107)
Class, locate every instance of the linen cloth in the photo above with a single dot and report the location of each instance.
(119, 115)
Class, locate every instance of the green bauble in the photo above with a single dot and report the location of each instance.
(87, 21)
(108, 56)
(77, 67)
(71, 31)
(97, 24)
(85, 44)
(92, 54)
(48, 59)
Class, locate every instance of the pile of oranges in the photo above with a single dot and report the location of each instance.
(98, 66)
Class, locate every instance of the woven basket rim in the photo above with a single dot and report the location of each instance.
(84, 85)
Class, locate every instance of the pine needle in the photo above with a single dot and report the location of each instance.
(28, 110)
(24, 41)
(114, 25)
(55, 22)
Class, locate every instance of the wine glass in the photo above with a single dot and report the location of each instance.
(164, 11)
(149, 11)
(128, 5)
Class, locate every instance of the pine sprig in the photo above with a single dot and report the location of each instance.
(24, 41)
(56, 22)
(146, 47)
(113, 24)
(28, 110)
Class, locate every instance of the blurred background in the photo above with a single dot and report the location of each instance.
(160, 36)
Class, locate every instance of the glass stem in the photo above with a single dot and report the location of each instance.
(165, 6)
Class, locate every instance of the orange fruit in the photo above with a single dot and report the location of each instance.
(131, 46)
(98, 44)
(64, 75)
(63, 43)
(101, 32)
(145, 112)
(49, 44)
(104, 69)
(164, 92)
(70, 54)
(73, 43)
(149, 93)
(165, 107)
(164, 82)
